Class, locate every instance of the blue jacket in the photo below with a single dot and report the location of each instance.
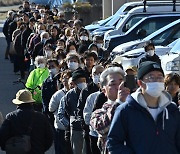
(133, 124)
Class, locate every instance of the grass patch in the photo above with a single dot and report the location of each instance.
(10, 2)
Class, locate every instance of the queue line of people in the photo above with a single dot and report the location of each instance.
(83, 95)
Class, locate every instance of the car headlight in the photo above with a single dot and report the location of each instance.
(173, 66)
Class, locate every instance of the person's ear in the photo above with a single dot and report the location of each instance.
(104, 90)
(139, 82)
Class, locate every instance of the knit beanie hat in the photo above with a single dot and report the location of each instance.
(146, 67)
(78, 73)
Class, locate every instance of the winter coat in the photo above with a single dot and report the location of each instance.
(153, 58)
(17, 123)
(71, 101)
(12, 27)
(36, 78)
(25, 36)
(6, 26)
(139, 131)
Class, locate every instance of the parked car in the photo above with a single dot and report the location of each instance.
(171, 61)
(131, 58)
(143, 28)
(163, 36)
(112, 21)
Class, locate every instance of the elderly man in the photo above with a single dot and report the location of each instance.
(112, 84)
(148, 122)
(25, 121)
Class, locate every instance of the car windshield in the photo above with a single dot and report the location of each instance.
(103, 22)
(131, 22)
(176, 48)
(113, 21)
(168, 36)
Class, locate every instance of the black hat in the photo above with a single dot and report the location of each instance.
(148, 66)
(79, 73)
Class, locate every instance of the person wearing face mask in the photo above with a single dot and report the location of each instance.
(71, 101)
(49, 87)
(71, 47)
(112, 85)
(102, 54)
(91, 88)
(36, 38)
(150, 54)
(84, 41)
(72, 61)
(36, 79)
(38, 49)
(148, 122)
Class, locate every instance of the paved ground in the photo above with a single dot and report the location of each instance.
(7, 89)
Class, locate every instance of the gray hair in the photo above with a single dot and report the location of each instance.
(109, 71)
(43, 34)
(95, 67)
(39, 58)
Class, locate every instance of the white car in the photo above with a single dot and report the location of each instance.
(131, 58)
(163, 36)
(171, 61)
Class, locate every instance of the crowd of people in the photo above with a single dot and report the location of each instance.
(81, 100)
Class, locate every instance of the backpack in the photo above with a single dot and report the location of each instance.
(20, 144)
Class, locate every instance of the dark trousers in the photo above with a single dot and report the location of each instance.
(8, 47)
(93, 145)
(60, 142)
(19, 65)
(68, 142)
(87, 142)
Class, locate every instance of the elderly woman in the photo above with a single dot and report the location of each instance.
(172, 85)
(36, 79)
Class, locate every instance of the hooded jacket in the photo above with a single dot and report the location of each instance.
(134, 125)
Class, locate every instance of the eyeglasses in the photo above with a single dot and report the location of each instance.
(155, 79)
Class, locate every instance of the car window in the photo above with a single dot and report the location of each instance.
(131, 22)
(153, 25)
(167, 36)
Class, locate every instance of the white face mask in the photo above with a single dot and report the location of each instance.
(16, 19)
(99, 45)
(53, 71)
(84, 38)
(96, 79)
(150, 52)
(154, 89)
(40, 31)
(95, 52)
(41, 65)
(81, 65)
(73, 65)
(48, 53)
(81, 85)
(72, 51)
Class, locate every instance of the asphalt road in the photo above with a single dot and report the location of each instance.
(7, 89)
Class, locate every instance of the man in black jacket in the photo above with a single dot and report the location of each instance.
(150, 54)
(5, 31)
(91, 88)
(49, 87)
(71, 101)
(18, 122)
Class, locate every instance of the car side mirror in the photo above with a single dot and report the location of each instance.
(141, 33)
